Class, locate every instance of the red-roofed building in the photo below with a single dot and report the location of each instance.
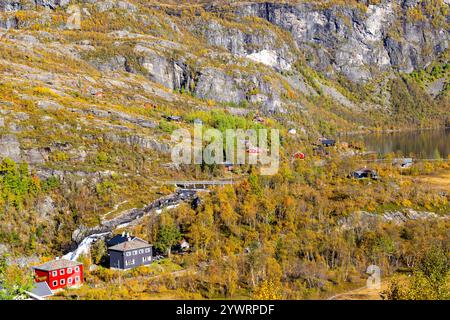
(60, 273)
(299, 156)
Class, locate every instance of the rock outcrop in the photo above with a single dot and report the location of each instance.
(172, 74)
(263, 46)
(369, 220)
(353, 42)
(10, 147)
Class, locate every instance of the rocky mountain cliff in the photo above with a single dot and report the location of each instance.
(322, 66)
(360, 43)
(86, 111)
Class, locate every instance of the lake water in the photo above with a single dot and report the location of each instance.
(420, 144)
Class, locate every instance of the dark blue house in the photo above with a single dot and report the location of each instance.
(132, 253)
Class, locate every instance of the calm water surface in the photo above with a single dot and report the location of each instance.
(423, 144)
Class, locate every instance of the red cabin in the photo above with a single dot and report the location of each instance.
(300, 156)
(60, 274)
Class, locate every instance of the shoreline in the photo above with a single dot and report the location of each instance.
(389, 131)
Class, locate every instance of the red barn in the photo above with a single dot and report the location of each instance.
(60, 273)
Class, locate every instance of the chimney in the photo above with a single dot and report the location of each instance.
(123, 234)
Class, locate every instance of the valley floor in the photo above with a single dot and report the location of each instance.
(439, 180)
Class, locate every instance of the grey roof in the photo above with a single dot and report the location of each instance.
(41, 289)
(131, 245)
(174, 118)
(57, 264)
(118, 239)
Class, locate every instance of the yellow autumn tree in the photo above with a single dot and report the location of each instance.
(267, 290)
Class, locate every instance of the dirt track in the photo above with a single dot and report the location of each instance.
(362, 293)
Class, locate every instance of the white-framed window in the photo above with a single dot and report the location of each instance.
(69, 281)
(69, 270)
(55, 273)
(146, 259)
(62, 282)
(61, 272)
(141, 251)
(134, 252)
(55, 283)
(147, 250)
(128, 254)
(77, 269)
(77, 279)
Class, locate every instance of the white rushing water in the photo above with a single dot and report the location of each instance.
(84, 247)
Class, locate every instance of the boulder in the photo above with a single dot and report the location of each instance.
(10, 147)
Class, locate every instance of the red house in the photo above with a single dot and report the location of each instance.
(299, 155)
(60, 273)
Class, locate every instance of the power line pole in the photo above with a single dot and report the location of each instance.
(120, 275)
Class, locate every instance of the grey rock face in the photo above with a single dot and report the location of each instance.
(116, 115)
(103, 6)
(9, 23)
(369, 220)
(139, 141)
(117, 63)
(10, 147)
(260, 46)
(21, 116)
(215, 84)
(336, 95)
(15, 5)
(355, 43)
(45, 207)
(10, 5)
(172, 74)
(48, 105)
(52, 4)
(34, 156)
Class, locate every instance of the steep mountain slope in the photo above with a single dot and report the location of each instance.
(76, 103)
(260, 54)
(84, 128)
